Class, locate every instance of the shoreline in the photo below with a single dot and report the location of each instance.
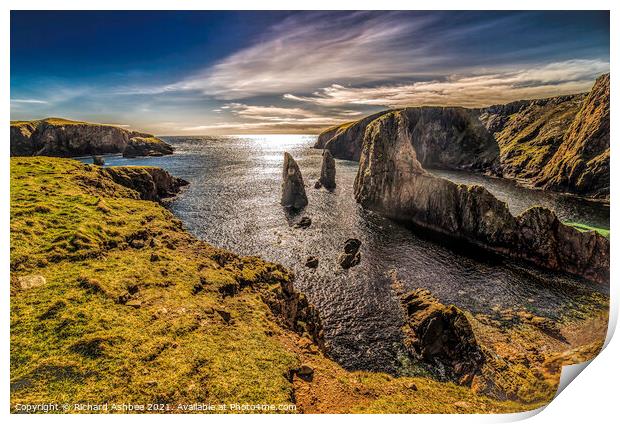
(100, 279)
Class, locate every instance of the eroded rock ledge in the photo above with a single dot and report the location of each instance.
(65, 138)
(392, 181)
(441, 336)
(150, 182)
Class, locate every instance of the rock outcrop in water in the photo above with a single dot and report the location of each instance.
(293, 190)
(351, 255)
(65, 138)
(559, 143)
(392, 181)
(441, 336)
(328, 171)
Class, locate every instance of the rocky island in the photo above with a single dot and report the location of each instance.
(65, 138)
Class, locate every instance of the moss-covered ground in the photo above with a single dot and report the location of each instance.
(132, 309)
(583, 227)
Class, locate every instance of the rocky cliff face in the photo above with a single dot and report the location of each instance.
(345, 141)
(64, 138)
(450, 137)
(528, 133)
(442, 336)
(560, 143)
(151, 183)
(392, 181)
(581, 163)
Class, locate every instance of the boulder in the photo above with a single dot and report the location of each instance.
(328, 171)
(304, 223)
(305, 372)
(312, 262)
(98, 160)
(441, 336)
(293, 191)
(351, 255)
(26, 282)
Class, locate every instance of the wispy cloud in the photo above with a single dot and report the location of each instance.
(305, 51)
(29, 101)
(573, 76)
(315, 69)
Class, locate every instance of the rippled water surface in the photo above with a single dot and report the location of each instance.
(233, 202)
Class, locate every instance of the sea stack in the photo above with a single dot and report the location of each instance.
(293, 191)
(328, 171)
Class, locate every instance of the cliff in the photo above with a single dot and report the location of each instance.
(112, 301)
(581, 163)
(65, 138)
(450, 137)
(392, 181)
(559, 143)
(528, 133)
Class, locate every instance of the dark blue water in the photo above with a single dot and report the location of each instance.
(233, 202)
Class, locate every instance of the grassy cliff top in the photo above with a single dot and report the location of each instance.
(56, 122)
(112, 301)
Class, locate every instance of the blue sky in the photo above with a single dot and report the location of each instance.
(280, 72)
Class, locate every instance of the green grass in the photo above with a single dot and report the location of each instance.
(583, 227)
(78, 339)
(54, 121)
(72, 340)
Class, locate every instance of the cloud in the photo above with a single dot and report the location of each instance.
(573, 76)
(307, 50)
(29, 101)
(274, 119)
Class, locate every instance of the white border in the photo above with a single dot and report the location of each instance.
(592, 398)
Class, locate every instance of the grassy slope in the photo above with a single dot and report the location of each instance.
(72, 340)
(54, 121)
(583, 227)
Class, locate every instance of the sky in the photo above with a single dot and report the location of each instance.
(204, 72)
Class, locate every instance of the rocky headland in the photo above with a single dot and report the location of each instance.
(392, 181)
(559, 144)
(111, 298)
(65, 138)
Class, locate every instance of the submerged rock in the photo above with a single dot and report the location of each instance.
(304, 223)
(293, 191)
(328, 171)
(441, 336)
(391, 181)
(98, 160)
(351, 255)
(312, 262)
